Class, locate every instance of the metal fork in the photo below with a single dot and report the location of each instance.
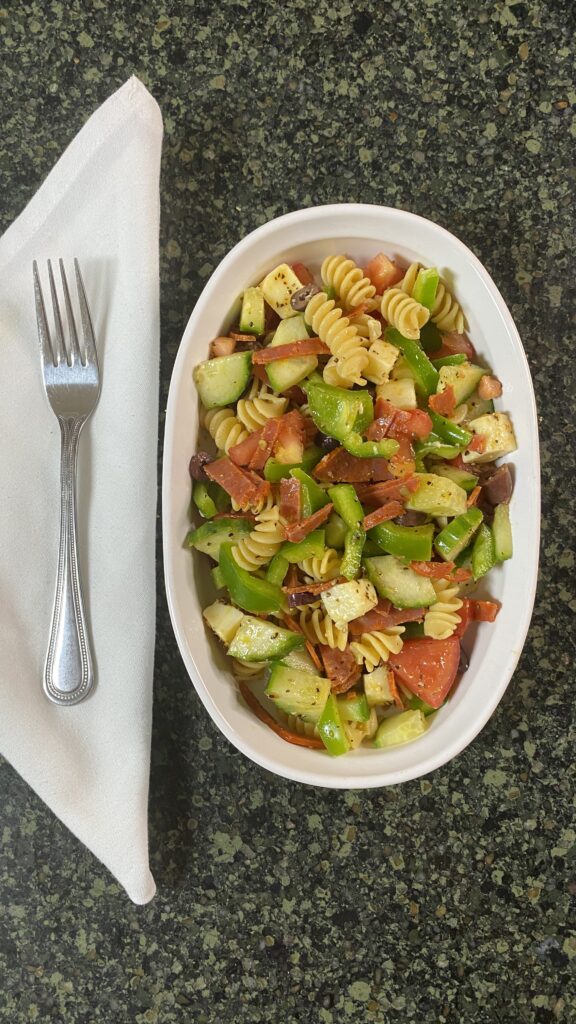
(72, 383)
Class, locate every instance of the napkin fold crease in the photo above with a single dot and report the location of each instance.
(90, 763)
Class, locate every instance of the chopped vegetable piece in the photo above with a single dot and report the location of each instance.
(402, 728)
(412, 542)
(331, 729)
(443, 403)
(346, 504)
(353, 547)
(313, 497)
(247, 591)
(457, 534)
(264, 716)
(383, 272)
(428, 668)
(483, 552)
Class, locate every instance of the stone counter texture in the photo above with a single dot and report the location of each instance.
(447, 899)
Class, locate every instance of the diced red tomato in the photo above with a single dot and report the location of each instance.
(453, 343)
(484, 611)
(290, 500)
(473, 496)
(465, 616)
(302, 273)
(291, 438)
(443, 403)
(383, 272)
(477, 444)
(428, 668)
(402, 462)
(243, 452)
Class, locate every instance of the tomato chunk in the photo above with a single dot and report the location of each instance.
(428, 668)
(383, 273)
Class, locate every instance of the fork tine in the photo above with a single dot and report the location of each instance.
(74, 346)
(87, 329)
(43, 329)
(58, 343)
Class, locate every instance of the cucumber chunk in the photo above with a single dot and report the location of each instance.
(463, 379)
(252, 317)
(285, 373)
(336, 531)
(399, 583)
(208, 537)
(462, 477)
(502, 533)
(400, 729)
(298, 693)
(457, 535)
(224, 620)
(258, 640)
(377, 687)
(299, 660)
(221, 381)
(437, 496)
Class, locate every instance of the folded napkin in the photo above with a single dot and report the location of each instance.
(90, 763)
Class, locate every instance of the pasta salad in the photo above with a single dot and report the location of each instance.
(349, 497)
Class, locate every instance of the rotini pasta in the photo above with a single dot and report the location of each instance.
(381, 358)
(446, 313)
(347, 280)
(368, 327)
(262, 543)
(247, 669)
(264, 505)
(260, 405)
(441, 618)
(296, 724)
(403, 312)
(376, 647)
(348, 354)
(319, 628)
(225, 428)
(324, 567)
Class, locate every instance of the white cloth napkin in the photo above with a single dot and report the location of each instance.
(90, 763)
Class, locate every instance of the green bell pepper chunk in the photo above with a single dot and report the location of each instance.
(383, 449)
(204, 503)
(353, 547)
(277, 569)
(311, 547)
(456, 360)
(331, 728)
(417, 704)
(276, 471)
(250, 593)
(449, 431)
(411, 542)
(425, 375)
(335, 531)
(346, 504)
(313, 497)
(337, 412)
(329, 291)
(425, 287)
(483, 552)
(434, 445)
(456, 536)
(430, 337)
(413, 631)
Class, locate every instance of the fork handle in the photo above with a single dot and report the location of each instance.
(68, 672)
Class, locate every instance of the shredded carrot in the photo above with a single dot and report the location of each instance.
(291, 623)
(394, 690)
(473, 497)
(292, 350)
(264, 716)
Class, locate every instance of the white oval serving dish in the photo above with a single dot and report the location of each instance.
(308, 236)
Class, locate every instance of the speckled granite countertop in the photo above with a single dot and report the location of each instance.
(446, 899)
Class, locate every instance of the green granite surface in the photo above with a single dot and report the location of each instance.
(448, 899)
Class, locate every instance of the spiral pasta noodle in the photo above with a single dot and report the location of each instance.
(368, 327)
(262, 505)
(319, 628)
(323, 567)
(349, 357)
(247, 669)
(347, 280)
(446, 313)
(377, 646)
(262, 543)
(296, 724)
(259, 406)
(225, 428)
(404, 313)
(441, 618)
